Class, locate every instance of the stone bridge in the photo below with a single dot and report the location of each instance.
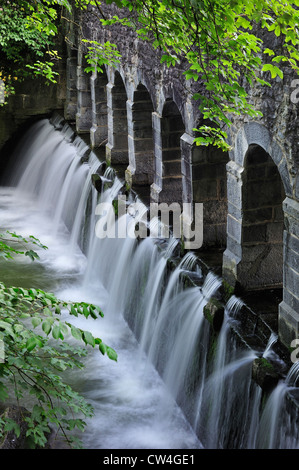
(142, 115)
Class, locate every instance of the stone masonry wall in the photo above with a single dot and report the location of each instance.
(142, 115)
(145, 115)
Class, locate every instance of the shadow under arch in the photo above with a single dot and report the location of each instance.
(258, 184)
(117, 153)
(170, 167)
(140, 172)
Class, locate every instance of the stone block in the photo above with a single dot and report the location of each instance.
(255, 233)
(291, 299)
(187, 195)
(116, 156)
(275, 232)
(291, 280)
(186, 169)
(84, 120)
(234, 211)
(291, 241)
(285, 177)
(172, 168)
(205, 190)
(171, 140)
(140, 144)
(250, 216)
(288, 324)
(234, 228)
(171, 154)
(233, 247)
(98, 136)
(200, 154)
(84, 99)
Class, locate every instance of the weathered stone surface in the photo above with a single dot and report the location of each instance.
(146, 112)
(214, 313)
(264, 374)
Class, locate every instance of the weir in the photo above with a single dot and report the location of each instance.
(178, 382)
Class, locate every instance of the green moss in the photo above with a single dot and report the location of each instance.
(115, 206)
(265, 364)
(228, 290)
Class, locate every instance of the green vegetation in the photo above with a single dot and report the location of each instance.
(221, 45)
(35, 351)
(221, 42)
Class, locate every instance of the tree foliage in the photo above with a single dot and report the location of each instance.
(37, 346)
(222, 42)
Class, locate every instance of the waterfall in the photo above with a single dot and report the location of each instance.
(172, 361)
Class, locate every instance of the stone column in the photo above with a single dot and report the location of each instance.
(84, 111)
(117, 146)
(233, 253)
(99, 129)
(156, 187)
(289, 307)
(70, 107)
(187, 149)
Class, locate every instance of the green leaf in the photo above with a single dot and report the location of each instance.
(36, 321)
(47, 326)
(88, 338)
(32, 343)
(32, 255)
(11, 425)
(56, 332)
(76, 333)
(3, 392)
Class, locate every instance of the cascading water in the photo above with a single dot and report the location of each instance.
(166, 362)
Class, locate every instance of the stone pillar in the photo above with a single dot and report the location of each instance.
(233, 253)
(70, 108)
(289, 307)
(84, 111)
(99, 129)
(156, 187)
(117, 146)
(187, 149)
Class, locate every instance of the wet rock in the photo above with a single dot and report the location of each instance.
(264, 374)
(214, 313)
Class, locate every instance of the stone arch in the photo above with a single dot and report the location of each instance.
(257, 182)
(262, 221)
(117, 146)
(84, 101)
(253, 144)
(140, 172)
(168, 130)
(209, 186)
(255, 133)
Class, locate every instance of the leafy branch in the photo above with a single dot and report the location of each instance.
(223, 51)
(30, 365)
